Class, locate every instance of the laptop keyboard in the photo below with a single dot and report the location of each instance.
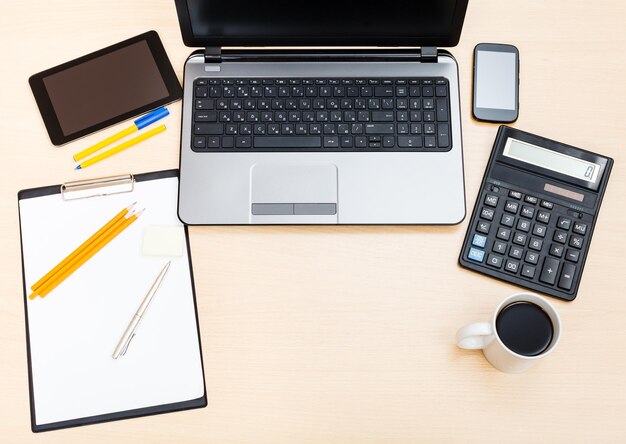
(321, 114)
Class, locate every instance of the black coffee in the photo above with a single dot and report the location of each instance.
(524, 328)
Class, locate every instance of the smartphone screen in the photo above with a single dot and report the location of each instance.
(496, 94)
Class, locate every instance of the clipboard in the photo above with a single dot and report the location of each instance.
(72, 332)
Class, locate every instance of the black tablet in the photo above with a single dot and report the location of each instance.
(105, 87)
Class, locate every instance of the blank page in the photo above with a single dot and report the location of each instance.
(75, 328)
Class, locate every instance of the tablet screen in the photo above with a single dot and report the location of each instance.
(105, 87)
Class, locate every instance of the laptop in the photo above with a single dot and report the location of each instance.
(277, 133)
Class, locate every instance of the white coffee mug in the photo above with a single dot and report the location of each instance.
(483, 335)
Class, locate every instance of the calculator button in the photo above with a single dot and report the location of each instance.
(494, 260)
(532, 258)
(486, 213)
(528, 271)
(556, 250)
(499, 247)
(479, 240)
(504, 234)
(483, 227)
(511, 207)
(516, 252)
(507, 220)
(546, 204)
(579, 228)
(528, 212)
(535, 244)
(559, 236)
(543, 216)
(511, 266)
(576, 241)
(476, 255)
(531, 199)
(539, 230)
(519, 238)
(515, 194)
(491, 200)
(523, 225)
(549, 270)
(572, 255)
(564, 223)
(567, 276)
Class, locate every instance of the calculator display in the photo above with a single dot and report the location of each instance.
(552, 160)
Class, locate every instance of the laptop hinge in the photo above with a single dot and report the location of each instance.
(428, 54)
(212, 54)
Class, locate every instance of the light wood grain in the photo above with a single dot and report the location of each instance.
(345, 334)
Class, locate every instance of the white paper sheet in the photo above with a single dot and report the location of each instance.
(74, 330)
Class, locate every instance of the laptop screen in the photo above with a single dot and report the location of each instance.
(322, 22)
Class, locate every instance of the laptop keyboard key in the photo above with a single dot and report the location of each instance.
(288, 142)
(208, 129)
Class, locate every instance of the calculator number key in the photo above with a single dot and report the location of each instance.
(504, 234)
(499, 247)
(535, 244)
(523, 225)
(494, 260)
(519, 239)
(516, 252)
(532, 258)
(539, 230)
(511, 266)
(507, 220)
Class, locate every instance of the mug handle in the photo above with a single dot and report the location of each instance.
(474, 336)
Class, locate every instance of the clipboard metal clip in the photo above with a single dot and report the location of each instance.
(106, 186)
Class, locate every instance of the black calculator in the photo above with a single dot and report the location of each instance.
(535, 213)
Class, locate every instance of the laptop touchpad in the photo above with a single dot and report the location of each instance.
(293, 189)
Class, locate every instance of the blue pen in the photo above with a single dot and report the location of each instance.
(140, 123)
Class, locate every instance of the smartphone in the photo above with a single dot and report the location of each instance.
(496, 83)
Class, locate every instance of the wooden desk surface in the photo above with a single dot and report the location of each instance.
(345, 334)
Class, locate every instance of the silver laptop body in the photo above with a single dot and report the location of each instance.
(242, 186)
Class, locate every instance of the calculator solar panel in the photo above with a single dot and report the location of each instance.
(535, 213)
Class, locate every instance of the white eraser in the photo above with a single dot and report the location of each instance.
(163, 241)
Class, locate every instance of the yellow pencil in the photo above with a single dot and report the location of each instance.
(82, 246)
(98, 146)
(138, 124)
(122, 146)
(86, 254)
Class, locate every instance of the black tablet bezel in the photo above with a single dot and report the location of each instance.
(46, 109)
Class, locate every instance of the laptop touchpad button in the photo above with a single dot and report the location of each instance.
(293, 188)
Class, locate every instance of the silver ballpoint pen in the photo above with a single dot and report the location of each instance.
(122, 345)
